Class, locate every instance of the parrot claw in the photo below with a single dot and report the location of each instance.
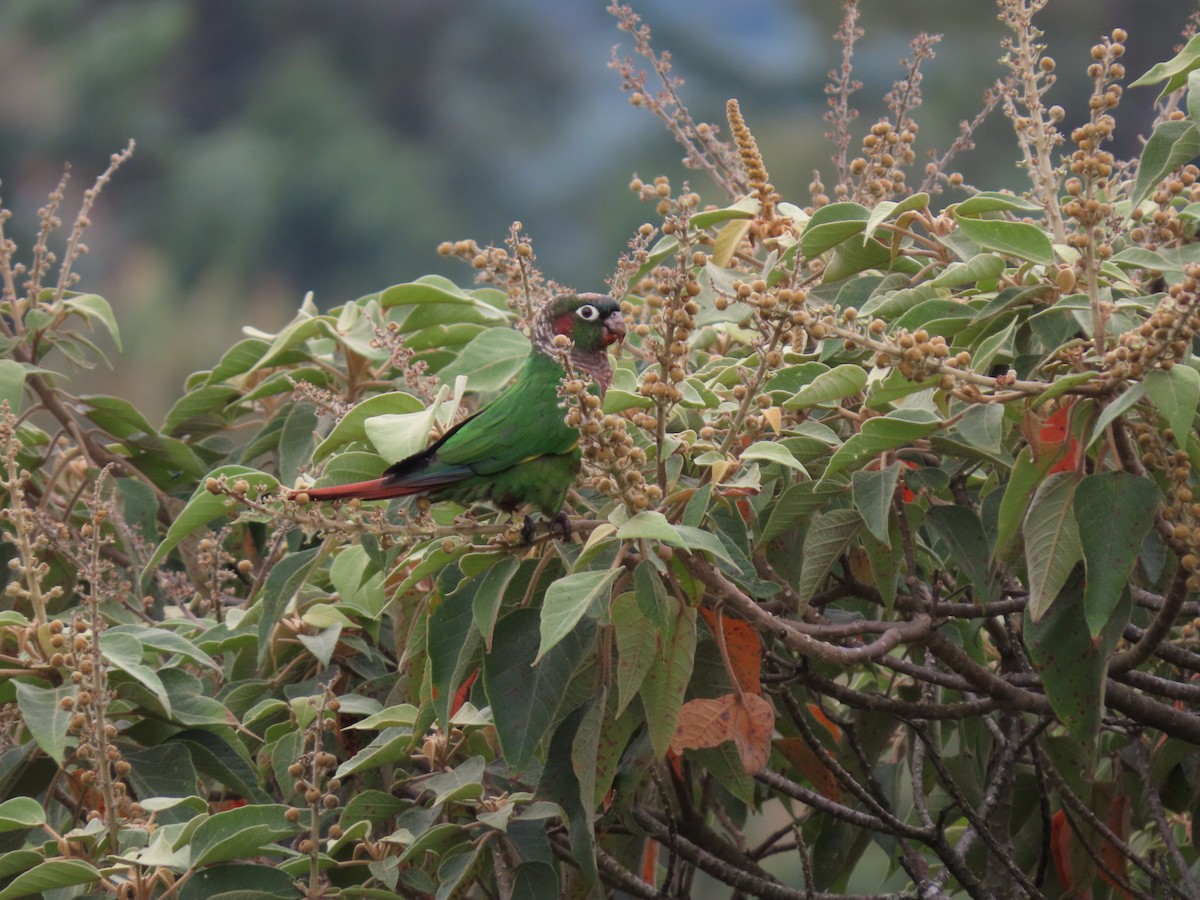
(561, 522)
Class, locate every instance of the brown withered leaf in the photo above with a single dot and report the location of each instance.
(747, 720)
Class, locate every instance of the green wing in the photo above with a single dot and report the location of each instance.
(523, 423)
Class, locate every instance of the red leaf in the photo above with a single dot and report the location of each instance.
(1060, 848)
(744, 648)
(650, 862)
(1054, 437)
(464, 690)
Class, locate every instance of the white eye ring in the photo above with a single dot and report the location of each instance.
(588, 313)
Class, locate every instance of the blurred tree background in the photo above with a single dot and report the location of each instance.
(295, 145)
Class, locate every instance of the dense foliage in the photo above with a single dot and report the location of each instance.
(883, 577)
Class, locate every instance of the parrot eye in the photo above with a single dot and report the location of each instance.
(588, 313)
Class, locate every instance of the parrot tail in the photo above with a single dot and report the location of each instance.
(376, 489)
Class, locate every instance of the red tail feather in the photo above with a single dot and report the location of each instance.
(376, 489)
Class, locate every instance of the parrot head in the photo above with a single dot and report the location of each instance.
(592, 322)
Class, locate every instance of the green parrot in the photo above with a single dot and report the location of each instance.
(518, 450)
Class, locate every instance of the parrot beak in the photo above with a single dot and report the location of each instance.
(614, 329)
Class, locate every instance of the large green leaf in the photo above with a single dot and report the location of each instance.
(452, 641)
(637, 646)
(1052, 545)
(827, 539)
(203, 507)
(567, 600)
(1072, 663)
(838, 382)
(239, 833)
(48, 876)
(1115, 511)
(960, 530)
(1176, 393)
(832, 224)
(667, 680)
(1172, 144)
(879, 433)
(1020, 239)
(529, 695)
(490, 360)
(43, 714)
(351, 427)
(873, 491)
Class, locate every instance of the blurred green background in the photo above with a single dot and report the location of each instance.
(295, 145)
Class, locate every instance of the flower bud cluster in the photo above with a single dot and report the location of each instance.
(1182, 506)
(919, 355)
(879, 171)
(1165, 337)
(611, 459)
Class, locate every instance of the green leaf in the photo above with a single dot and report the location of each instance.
(982, 427)
(1072, 663)
(489, 361)
(399, 436)
(890, 209)
(94, 307)
(529, 695)
(239, 833)
(1118, 508)
(872, 492)
(1052, 545)
(566, 602)
(452, 641)
(203, 401)
(1025, 478)
(1019, 239)
(839, 382)
(796, 502)
(832, 224)
(960, 530)
(1176, 393)
(48, 876)
(666, 682)
(490, 596)
(856, 254)
(637, 646)
(351, 427)
(1109, 414)
(888, 432)
(981, 267)
(203, 507)
(18, 813)
(773, 452)
(1172, 144)
(12, 384)
(42, 712)
(652, 526)
(124, 652)
(463, 782)
(993, 201)
(1175, 70)
(827, 539)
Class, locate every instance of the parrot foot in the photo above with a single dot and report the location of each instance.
(561, 522)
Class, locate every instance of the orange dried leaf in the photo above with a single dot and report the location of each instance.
(744, 648)
(805, 760)
(747, 720)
